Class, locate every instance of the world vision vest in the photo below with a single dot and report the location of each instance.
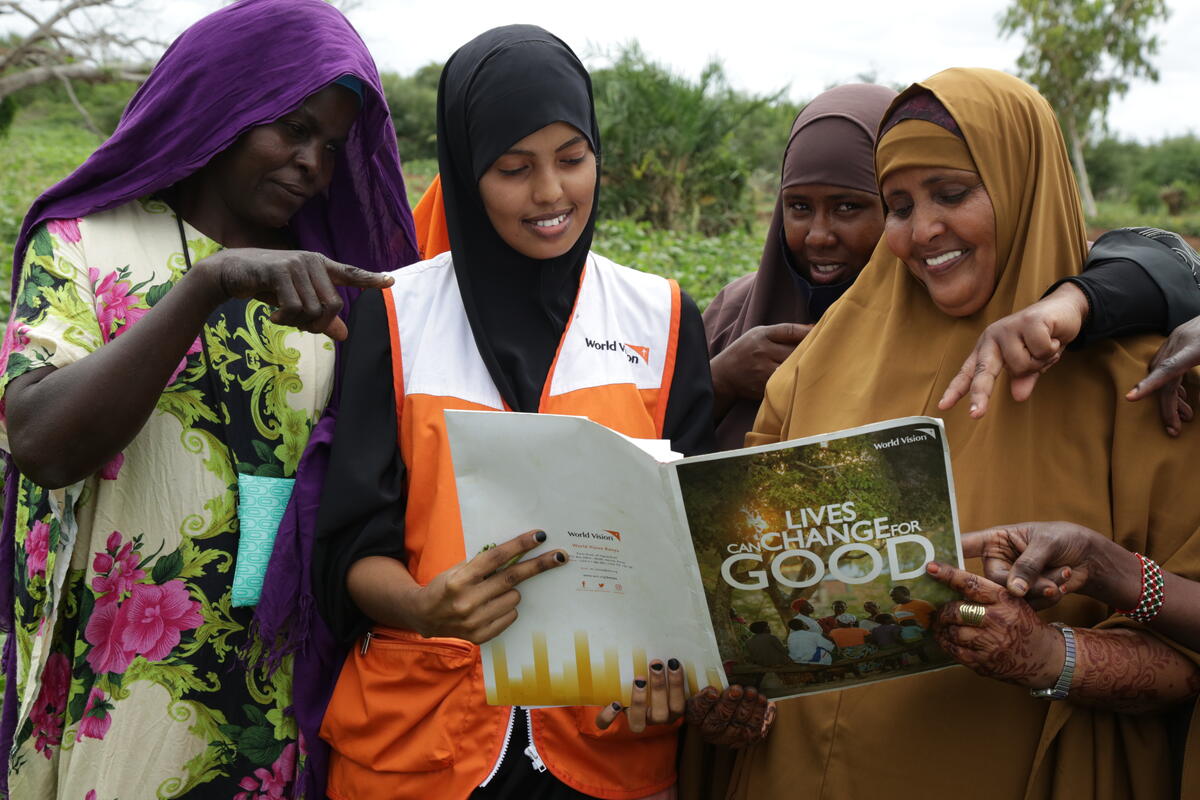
(408, 718)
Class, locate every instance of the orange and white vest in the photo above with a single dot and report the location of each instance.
(408, 718)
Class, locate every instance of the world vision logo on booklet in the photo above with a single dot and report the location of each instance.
(606, 535)
(917, 435)
(636, 353)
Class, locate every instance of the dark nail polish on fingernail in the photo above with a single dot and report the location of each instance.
(560, 558)
(616, 706)
(639, 683)
(540, 536)
(657, 666)
(673, 664)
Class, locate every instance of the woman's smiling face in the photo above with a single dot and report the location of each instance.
(830, 230)
(539, 193)
(941, 224)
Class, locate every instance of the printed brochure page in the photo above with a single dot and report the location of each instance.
(631, 591)
(796, 567)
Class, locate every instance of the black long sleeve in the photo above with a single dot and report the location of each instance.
(1137, 280)
(362, 504)
(688, 422)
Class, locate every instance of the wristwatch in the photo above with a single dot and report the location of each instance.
(1063, 685)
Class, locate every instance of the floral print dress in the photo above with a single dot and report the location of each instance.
(129, 678)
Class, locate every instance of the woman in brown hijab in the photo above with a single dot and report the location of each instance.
(982, 215)
(827, 220)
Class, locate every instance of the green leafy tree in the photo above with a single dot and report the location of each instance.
(413, 103)
(1079, 54)
(670, 154)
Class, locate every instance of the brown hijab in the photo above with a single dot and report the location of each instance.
(832, 142)
(1075, 451)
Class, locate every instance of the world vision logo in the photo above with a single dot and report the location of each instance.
(602, 534)
(637, 354)
(921, 435)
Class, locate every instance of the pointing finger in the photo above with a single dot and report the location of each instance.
(346, 275)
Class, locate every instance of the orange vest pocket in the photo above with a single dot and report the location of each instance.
(402, 706)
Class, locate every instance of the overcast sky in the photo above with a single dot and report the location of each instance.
(806, 45)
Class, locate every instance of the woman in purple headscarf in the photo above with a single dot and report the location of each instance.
(170, 352)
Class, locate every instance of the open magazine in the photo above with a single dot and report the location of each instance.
(796, 567)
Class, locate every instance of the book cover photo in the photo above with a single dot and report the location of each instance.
(813, 555)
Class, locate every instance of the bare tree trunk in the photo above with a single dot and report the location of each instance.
(1085, 185)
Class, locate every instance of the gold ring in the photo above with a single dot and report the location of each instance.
(972, 614)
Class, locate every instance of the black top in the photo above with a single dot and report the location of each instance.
(1137, 280)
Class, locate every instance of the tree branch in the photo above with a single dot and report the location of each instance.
(82, 72)
(46, 29)
(83, 112)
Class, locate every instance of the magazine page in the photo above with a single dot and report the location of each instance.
(813, 554)
(630, 591)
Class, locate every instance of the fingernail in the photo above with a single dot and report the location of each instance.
(673, 664)
(1019, 586)
(540, 537)
(639, 683)
(974, 408)
(932, 568)
(560, 558)
(656, 666)
(616, 706)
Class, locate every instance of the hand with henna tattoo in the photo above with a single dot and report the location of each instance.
(1042, 561)
(1011, 644)
(737, 717)
(1118, 669)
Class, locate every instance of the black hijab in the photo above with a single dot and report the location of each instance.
(495, 90)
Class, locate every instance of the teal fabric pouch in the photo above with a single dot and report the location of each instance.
(261, 503)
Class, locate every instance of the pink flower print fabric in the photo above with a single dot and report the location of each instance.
(270, 784)
(37, 548)
(51, 704)
(96, 718)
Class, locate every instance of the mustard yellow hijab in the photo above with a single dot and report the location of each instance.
(1075, 451)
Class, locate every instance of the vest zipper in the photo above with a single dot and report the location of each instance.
(366, 643)
(503, 749)
(531, 750)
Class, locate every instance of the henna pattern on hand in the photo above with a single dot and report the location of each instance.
(734, 718)
(1012, 644)
(1117, 668)
(1130, 671)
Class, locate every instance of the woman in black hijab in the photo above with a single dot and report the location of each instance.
(518, 150)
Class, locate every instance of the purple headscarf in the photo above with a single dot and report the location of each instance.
(245, 65)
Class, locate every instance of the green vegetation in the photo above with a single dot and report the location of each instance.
(36, 154)
(1079, 54)
(701, 264)
(690, 166)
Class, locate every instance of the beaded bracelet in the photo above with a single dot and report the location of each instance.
(1152, 597)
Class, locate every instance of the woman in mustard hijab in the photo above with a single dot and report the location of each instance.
(982, 215)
